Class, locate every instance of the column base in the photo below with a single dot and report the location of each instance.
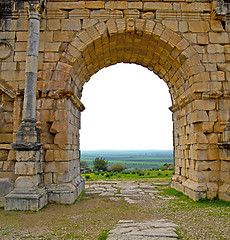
(66, 193)
(26, 199)
(196, 191)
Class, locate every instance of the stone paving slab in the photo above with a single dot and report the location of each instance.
(127, 190)
(159, 229)
(135, 193)
(130, 191)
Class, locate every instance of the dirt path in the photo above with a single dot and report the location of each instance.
(106, 203)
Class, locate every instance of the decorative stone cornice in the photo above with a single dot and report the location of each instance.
(26, 146)
(64, 93)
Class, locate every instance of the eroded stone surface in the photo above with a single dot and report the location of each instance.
(132, 192)
(128, 229)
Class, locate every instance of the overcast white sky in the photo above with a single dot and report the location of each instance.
(126, 108)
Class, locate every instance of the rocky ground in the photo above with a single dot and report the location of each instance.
(124, 209)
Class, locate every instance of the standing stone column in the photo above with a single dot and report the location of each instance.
(29, 193)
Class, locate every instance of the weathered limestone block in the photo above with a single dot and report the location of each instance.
(212, 192)
(102, 14)
(224, 192)
(204, 105)
(63, 138)
(70, 24)
(59, 126)
(203, 26)
(6, 186)
(26, 200)
(217, 26)
(62, 155)
(28, 168)
(207, 166)
(225, 165)
(116, 5)
(54, 24)
(3, 154)
(27, 181)
(225, 177)
(197, 116)
(171, 24)
(28, 156)
(49, 155)
(6, 138)
(95, 4)
(8, 166)
(79, 13)
(66, 193)
(220, 38)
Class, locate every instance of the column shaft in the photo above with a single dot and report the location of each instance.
(29, 105)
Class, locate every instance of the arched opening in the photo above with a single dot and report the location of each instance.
(127, 108)
(168, 55)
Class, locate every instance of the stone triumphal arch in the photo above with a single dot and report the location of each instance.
(49, 49)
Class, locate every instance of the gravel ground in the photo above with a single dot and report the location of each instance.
(95, 212)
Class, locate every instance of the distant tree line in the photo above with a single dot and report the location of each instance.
(100, 164)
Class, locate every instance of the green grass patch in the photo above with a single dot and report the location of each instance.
(71, 236)
(128, 175)
(185, 201)
(103, 235)
(179, 235)
(173, 192)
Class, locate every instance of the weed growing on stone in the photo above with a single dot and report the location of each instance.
(103, 235)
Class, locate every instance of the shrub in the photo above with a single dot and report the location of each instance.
(87, 177)
(83, 164)
(100, 164)
(116, 168)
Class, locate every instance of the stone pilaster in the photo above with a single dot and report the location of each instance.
(29, 194)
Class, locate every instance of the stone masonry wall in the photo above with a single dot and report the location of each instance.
(186, 43)
(6, 134)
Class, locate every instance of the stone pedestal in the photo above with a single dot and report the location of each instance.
(194, 190)
(29, 194)
(66, 193)
(26, 199)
